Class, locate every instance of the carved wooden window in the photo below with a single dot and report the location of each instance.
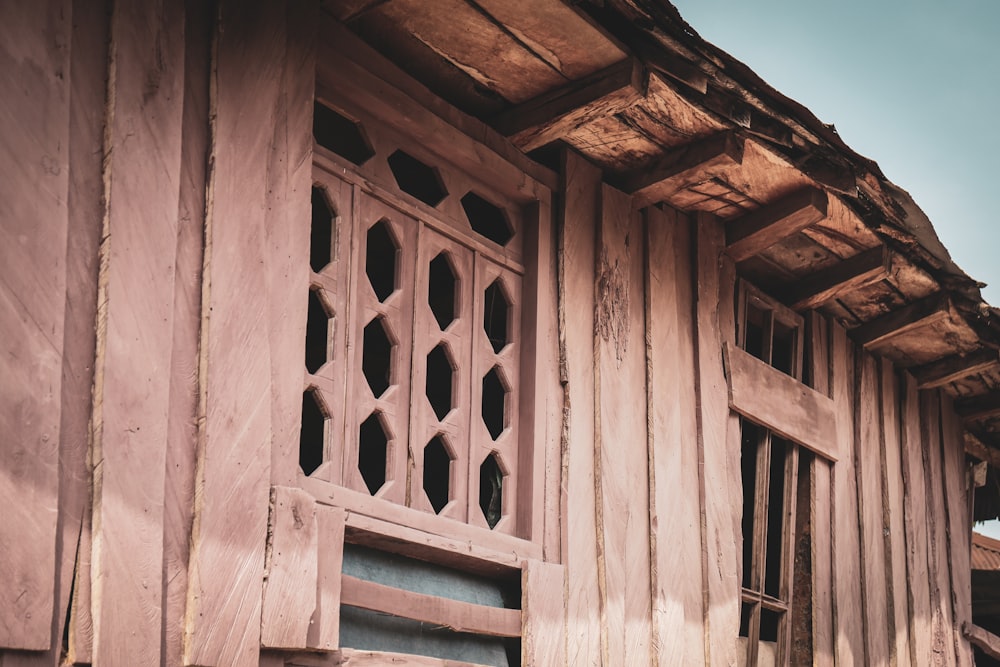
(414, 333)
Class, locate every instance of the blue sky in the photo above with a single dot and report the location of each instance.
(911, 84)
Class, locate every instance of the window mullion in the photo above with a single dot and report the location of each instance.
(788, 551)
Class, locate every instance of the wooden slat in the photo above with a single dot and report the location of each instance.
(290, 590)
(978, 407)
(234, 457)
(580, 188)
(620, 405)
(552, 115)
(34, 181)
(718, 443)
(959, 528)
(951, 369)
(893, 513)
(353, 658)
(988, 642)
(863, 269)
(135, 329)
(867, 449)
(543, 614)
(452, 614)
(674, 513)
(774, 222)
(781, 403)
(913, 316)
(324, 633)
(847, 592)
(683, 166)
(915, 523)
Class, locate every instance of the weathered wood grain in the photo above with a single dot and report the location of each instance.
(135, 328)
(756, 231)
(621, 462)
(234, 457)
(853, 273)
(718, 443)
(903, 320)
(577, 261)
(781, 403)
(324, 632)
(984, 639)
(353, 658)
(959, 528)
(543, 624)
(34, 182)
(953, 368)
(674, 513)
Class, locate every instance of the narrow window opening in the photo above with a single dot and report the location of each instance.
(494, 403)
(376, 357)
(312, 433)
(441, 292)
(416, 178)
(317, 332)
(775, 518)
(746, 611)
(487, 219)
(754, 336)
(372, 443)
(320, 232)
(495, 316)
(770, 622)
(437, 473)
(491, 490)
(341, 135)
(783, 349)
(381, 257)
(440, 378)
(748, 464)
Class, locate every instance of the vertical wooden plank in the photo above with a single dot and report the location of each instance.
(821, 518)
(959, 528)
(847, 591)
(288, 607)
(620, 374)
(580, 197)
(942, 643)
(867, 448)
(721, 486)
(893, 513)
(915, 524)
(674, 515)
(288, 212)
(542, 610)
(182, 427)
(234, 457)
(142, 186)
(324, 632)
(34, 181)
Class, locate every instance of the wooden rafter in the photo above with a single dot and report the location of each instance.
(555, 114)
(978, 407)
(974, 446)
(759, 230)
(913, 316)
(682, 167)
(943, 371)
(863, 269)
(985, 640)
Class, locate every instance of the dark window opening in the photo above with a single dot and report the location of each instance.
(776, 507)
(746, 611)
(491, 490)
(494, 403)
(437, 472)
(380, 260)
(416, 178)
(783, 349)
(372, 443)
(496, 312)
(376, 357)
(320, 232)
(769, 624)
(441, 292)
(341, 135)
(487, 219)
(317, 332)
(754, 325)
(748, 463)
(440, 377)
(802, 629)
(311, 433)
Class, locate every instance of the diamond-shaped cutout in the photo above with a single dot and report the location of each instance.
(416, 178)
(321, 231)
(376, 357)
(496, 316)
(380, 260)
(312, 432)
(441, 293)
(437, 473)
(487, 219)
(372, 451)
(317, 331)
(495, 393)
(491, 476)
(440, 380)
(340, 134)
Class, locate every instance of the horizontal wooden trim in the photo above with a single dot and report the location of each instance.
(384, 525)
(988, 642)
(354, 658)
(551, 116)
(913, 316)
(452, 614)
(953, 368)
(853, 273)
(772, 223)
(781, 403)
(978, 407)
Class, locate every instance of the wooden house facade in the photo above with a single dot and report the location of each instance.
(464, 332)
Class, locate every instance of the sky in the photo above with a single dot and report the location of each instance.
(911, 84)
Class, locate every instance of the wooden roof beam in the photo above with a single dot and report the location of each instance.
(772, 223)
(555, 114)
(980, 450)
(682, 167)
(913, 316)
(979, 407)
(950, 369)
(863, 269)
